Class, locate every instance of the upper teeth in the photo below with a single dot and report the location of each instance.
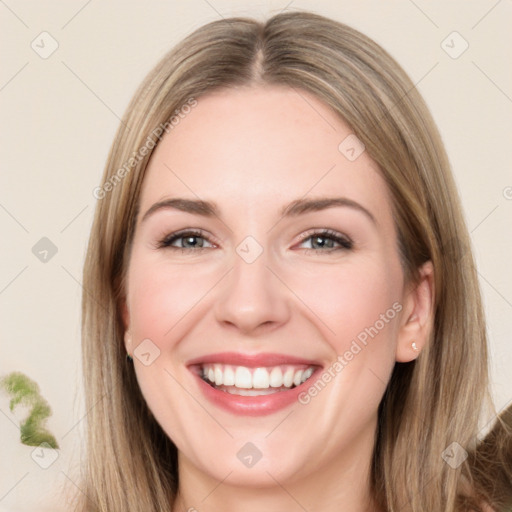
(257, 378)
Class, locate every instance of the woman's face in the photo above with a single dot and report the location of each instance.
(264, 254)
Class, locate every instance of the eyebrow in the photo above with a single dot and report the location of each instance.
(297, 207)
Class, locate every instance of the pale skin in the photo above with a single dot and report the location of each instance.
(253, 151)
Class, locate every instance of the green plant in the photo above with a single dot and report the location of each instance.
(24, 391)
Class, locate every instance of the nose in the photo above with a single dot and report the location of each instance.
(252, 299)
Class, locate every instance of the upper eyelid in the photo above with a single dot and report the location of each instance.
(322, 231)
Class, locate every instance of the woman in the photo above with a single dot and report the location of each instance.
(279, 248)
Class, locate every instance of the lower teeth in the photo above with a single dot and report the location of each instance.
(250, 392)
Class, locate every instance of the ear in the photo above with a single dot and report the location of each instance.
(418, 316)
(125, 314)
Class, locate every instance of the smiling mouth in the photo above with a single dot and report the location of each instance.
(244, 381)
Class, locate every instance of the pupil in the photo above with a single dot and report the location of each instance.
(320, 241)
(190, 240)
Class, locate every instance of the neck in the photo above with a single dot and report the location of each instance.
(341, 483)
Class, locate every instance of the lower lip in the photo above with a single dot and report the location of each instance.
(253, 405)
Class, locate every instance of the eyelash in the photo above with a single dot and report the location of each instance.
(344, 242)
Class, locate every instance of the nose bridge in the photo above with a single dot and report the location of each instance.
(251, 294)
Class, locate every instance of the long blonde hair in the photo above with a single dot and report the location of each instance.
(131, 464)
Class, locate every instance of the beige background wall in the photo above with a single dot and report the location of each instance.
(59, 115)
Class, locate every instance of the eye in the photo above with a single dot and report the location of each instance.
(318, 241)
(185, 240)
(326, 240)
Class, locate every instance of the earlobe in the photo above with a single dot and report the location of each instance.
(418, 316)
(126, 324)
(128, 342)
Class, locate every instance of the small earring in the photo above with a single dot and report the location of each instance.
(129, 358)
(415, 347)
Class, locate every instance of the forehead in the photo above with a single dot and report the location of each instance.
(261, 146)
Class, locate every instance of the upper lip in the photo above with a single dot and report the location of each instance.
(265, 359)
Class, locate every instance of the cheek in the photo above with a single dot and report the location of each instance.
(357, 309)
(161, 295)
(355, 302)
(161, 300)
